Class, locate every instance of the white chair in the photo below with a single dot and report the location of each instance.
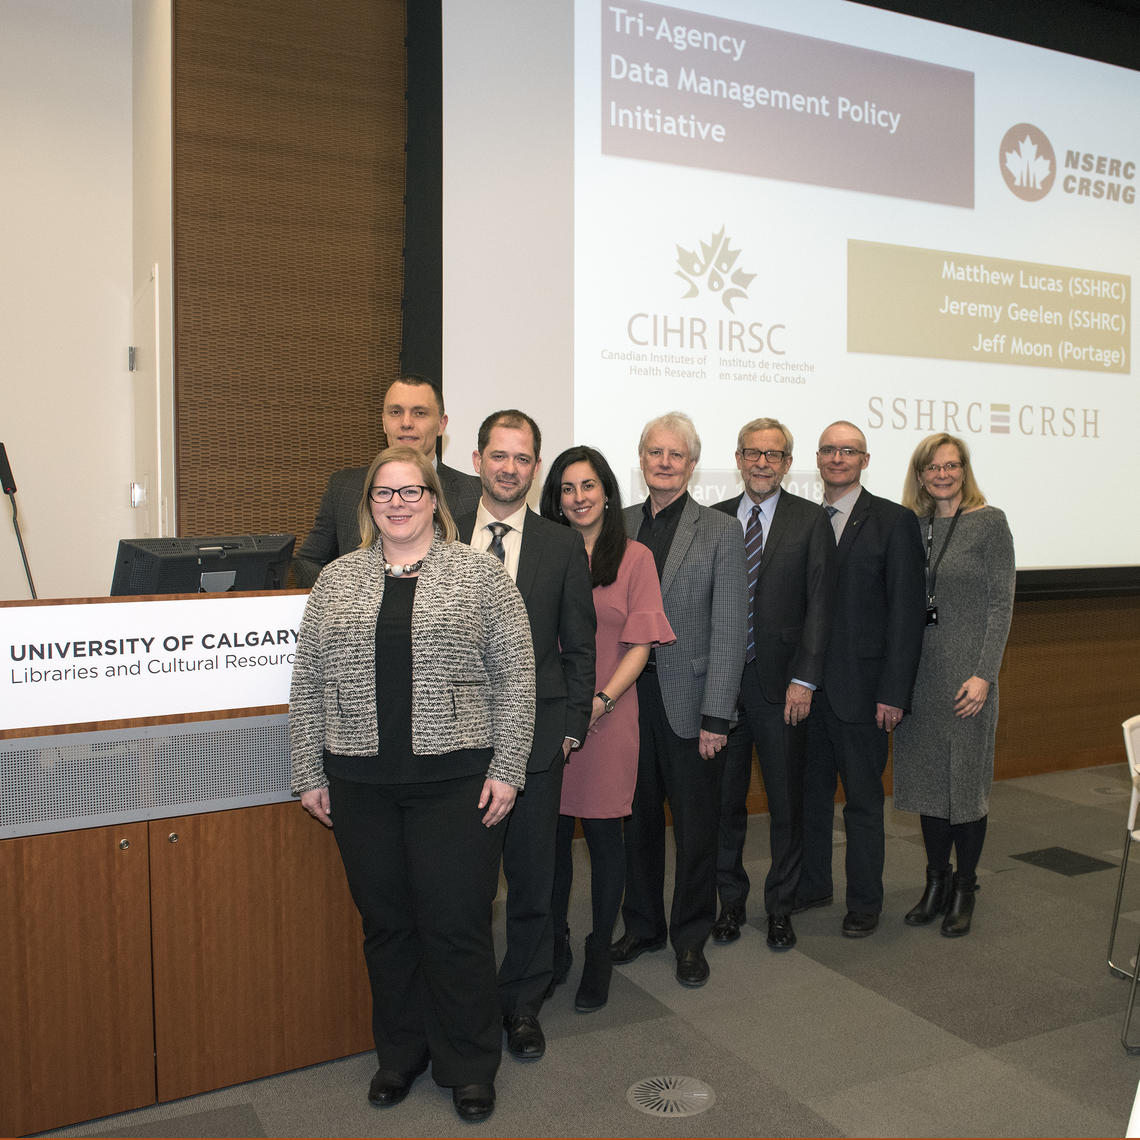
(1131, 835)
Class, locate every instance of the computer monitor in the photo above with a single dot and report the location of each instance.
(201, 565)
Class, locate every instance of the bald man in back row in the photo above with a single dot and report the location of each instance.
(869, 667)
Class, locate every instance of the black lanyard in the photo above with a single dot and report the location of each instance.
(932, 571)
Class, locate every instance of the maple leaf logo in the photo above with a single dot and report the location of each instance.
(1028, 168)
(1027, 162)
(713, 263)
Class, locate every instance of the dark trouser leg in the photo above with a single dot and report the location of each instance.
(563, 873)
(643, 911)
(821, 777)
(782, 753)
(968, 840)
(528, 866)
(732, 826)
(423, 871)
(607, 874)
(861, 753)
(692, 786)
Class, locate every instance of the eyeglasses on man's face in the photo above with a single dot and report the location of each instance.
(411, 494)
(753, 455)
(828, 450)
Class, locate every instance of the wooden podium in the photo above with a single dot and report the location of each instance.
(155, 950)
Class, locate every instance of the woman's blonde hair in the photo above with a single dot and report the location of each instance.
(369, 531)
(915, 495)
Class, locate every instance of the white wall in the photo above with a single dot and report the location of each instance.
(66, 290)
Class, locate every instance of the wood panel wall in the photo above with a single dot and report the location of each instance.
(289, 129)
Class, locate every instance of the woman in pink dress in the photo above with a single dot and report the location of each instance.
(597, 786)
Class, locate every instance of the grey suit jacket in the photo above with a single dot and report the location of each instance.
(337, 531)
(705, 590)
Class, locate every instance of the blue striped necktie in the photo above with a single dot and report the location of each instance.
(753, 549)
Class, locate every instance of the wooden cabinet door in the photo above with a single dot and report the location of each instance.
(257, 948)
(77, 1036)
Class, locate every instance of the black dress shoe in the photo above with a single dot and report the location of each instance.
(781, 936)
(524, 1038)
(473, 1102)
(389, 1087)
(727, 927)
(692, 969)
(629, 946)
(858, 924)
(801, 905)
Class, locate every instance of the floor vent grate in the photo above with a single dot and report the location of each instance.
(671, 1096)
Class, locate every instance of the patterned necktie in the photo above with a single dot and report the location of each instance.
(831, 513)
(497, 530)
(753, 549)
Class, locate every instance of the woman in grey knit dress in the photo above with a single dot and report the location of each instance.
(944, 750)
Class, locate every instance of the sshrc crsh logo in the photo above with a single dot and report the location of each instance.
(1028, 163)
(713, 265)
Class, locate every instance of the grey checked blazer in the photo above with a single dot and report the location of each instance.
(705, 590)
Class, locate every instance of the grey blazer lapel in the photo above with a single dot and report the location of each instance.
(682, 539)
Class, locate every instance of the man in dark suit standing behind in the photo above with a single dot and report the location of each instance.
(686, 697)
(413, 415)
(790, 558)
(868, 676)
(549, 565)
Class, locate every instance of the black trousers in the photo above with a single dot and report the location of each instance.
(423, 872)
(528, 867)
(781, 750)
(857, 755)
(670, 767)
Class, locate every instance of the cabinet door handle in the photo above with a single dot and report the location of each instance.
(172, 837)
(124, 844)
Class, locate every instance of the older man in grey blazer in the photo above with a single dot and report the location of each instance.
(686, 696)
(413, 415)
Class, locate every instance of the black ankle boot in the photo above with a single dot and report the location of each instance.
(961, 912)
(594, 990)
(935, 899)
(563, 959)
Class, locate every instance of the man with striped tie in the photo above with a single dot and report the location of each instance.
(790, 555)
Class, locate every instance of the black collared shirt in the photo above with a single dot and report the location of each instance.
(657, 530)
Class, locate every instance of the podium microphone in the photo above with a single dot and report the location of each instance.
(9, 486)
(6, 473)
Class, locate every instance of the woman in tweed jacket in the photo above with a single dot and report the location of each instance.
(411, 716)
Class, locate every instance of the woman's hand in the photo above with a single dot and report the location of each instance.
(596, 713)
(971, 697)
(316, 803)
(500, 796)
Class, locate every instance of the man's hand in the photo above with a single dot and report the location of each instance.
(797, 704)
(711, 743)
(887, 717)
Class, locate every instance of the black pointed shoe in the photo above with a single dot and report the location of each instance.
(473, 1103)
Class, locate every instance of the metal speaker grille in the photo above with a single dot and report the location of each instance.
(61, 783)
(671, 1096)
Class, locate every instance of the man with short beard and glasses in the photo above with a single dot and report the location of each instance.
(549, 565)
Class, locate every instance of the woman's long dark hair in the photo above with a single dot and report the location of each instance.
(609, 549)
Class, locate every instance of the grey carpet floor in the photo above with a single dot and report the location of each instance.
(1013, 1031)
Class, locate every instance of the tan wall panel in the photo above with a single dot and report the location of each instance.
(289, 133)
